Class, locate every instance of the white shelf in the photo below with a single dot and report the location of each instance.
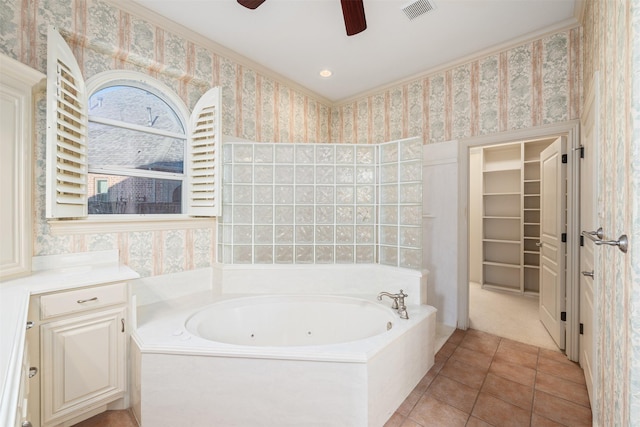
(514, 242)
(502, 264)
(500, 217)
(511, 216)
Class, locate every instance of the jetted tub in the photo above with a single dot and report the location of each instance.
(282, 360)
(291, 320)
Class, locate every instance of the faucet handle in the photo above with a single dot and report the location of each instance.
(394, 304)
(401, 296)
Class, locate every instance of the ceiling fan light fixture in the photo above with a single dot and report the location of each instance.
(326, 73)
(251, 4)
(353, 13)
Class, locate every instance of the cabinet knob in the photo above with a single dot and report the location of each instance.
(33, 371)
(29, 324)
(27, 424)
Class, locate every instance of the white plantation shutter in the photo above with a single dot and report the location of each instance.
(202, 165)
(66, 132)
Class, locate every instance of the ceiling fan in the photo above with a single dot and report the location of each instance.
(352, 11)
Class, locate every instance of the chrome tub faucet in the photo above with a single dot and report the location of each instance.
(398, 302)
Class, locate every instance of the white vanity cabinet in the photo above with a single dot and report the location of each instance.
(82, 351)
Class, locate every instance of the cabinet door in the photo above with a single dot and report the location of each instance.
(83, 364)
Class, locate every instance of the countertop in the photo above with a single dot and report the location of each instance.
(51, 274)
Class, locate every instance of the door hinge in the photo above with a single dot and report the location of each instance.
(564, 237)
(563, 316)
(581, 151)
(565, 159)
(581, 328)
(581, 240)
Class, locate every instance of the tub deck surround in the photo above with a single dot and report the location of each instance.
(179, 377)
(49, 274)
(334, 279)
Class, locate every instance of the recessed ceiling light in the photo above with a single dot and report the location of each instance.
(325, 73)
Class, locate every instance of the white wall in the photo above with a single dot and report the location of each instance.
(440, 227)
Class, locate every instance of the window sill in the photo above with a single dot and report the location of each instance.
(127, 223)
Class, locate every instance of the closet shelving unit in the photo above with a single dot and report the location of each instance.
(501, 217)
(511, 216)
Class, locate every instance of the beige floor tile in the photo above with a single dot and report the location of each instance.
(515, 345)
(122, 418)
(453, 393)
(396, 420)
(471, 375)
(472, 357)
(568, 371)
(509, 391)
(477, 422)
(480, 343)
(519, 374)
(432, 412)
(517, 357)
(500, 413)
(560, 410)
(540, 421)
(568, 390)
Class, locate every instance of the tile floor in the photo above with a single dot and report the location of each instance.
(478, 380)
(481, 379)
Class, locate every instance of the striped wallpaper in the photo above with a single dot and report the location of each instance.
(532, 84)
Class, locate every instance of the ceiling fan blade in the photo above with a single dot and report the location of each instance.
(353, 12)
(251, 4)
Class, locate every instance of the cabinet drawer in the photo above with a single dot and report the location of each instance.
(80, 300)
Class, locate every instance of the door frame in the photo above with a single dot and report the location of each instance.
(571, 130)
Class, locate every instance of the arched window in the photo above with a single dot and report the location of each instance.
(136, 149)
(125, 143)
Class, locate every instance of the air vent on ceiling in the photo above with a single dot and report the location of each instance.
(417, 8)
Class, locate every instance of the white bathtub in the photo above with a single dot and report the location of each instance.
(316, 361)
(291, 320)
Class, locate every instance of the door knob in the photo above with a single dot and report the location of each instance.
(588, 273)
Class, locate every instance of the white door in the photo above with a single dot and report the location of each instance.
(589, 223)
(552, 251)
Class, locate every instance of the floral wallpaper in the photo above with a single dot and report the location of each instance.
(536, 83)
(530, 85)
(104, 37)
(612, 47)
(533, 84)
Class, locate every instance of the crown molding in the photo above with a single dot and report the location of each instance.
(140, 11)
(578, 10)
(565, 25)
